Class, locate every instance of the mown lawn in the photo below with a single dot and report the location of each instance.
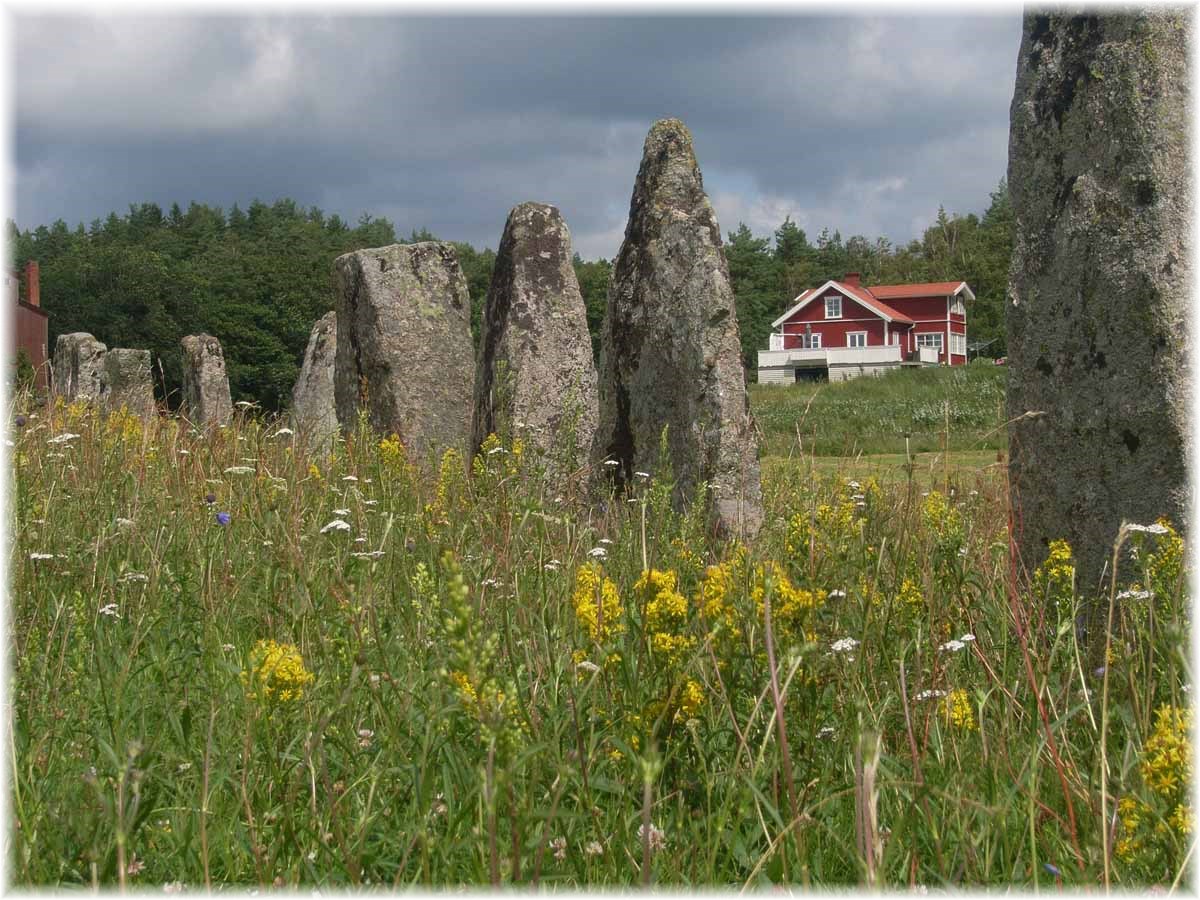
(234, 664)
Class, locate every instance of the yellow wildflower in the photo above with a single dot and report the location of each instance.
(276, 673)
(957, 708)
(597, 603)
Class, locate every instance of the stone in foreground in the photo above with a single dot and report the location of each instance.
(314, 413)
(671, 354)
(126, 382)
(78, 366)
(535, 360)
(206, 400)
(1100, 280)
(404, 349)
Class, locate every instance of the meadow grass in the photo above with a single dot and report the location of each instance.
(904, 411)
(480, 677)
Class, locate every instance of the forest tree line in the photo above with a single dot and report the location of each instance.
(259, 278)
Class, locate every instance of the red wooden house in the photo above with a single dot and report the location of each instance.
(29, 322)
(843, 329)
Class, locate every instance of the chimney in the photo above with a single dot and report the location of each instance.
(33, 288)
(850, 279)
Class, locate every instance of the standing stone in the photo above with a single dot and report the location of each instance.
(1100, 280)
(314, 414)
(126, 382)
(78, 366)
(535, 360)
(671, 355)
(404, 348)
(206, 401)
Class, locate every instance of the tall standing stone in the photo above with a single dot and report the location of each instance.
(206, 400)
(1100, 280)
(314, 413)
(78, 366)
(671, 355)
(535, 358)
(404, 348)
(126, 382)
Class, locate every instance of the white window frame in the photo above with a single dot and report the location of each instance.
(829, 301)
(851, 335)
(814, 341)
(958, 307)
(932, 339)
(958, 344)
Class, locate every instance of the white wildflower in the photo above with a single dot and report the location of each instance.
(283, 431)
(587, 665)
(605, 541)
(368, 554)
(559, 846)
(642, 474)
(598, 552)
(336, 525)
(240, 470)
(967, 638)
(228, 647)
(122, 522)
(658, 839)
(110, 609)
(930, 695)
(1133, 595)
(837, 595)
(952, 645)
(134, 576)
(489, 582)
(1156, 528)
(349, 478)
(593, 848)
(184, 452)
(611, 462)
(825, 732)
(62, 438)
(844, 645)
(36, 556)
(364, 737)
(245, 404)
(496, 450)
(341, 512)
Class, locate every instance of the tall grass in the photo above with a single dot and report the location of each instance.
(514, 683)
(908, 410)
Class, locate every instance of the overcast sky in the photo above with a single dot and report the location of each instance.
(863, 123)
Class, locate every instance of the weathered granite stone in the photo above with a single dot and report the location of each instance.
(206, 400)
(126, 382)
(404, 348)
(1100, 279)
(671, 355)
(535, 358)
(314, 414)
(78, 364)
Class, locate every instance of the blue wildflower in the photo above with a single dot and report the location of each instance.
(1052, 869)
(223, 518)
(210, 499)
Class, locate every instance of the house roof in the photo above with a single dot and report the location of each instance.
(860, 295)
(927, 289)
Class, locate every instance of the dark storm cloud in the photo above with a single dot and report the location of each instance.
(863, 124)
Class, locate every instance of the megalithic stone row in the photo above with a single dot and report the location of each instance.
(206, 399)
(78, 366)
(1099, 287)
(404, 349)
(535, 367)
(314, 413)
(671, 354)
(126, 381)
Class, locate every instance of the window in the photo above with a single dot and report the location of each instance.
(814, 341)
(958, 308)
(856, 339)
(833, 307)
(958, 344)
(932, 339)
